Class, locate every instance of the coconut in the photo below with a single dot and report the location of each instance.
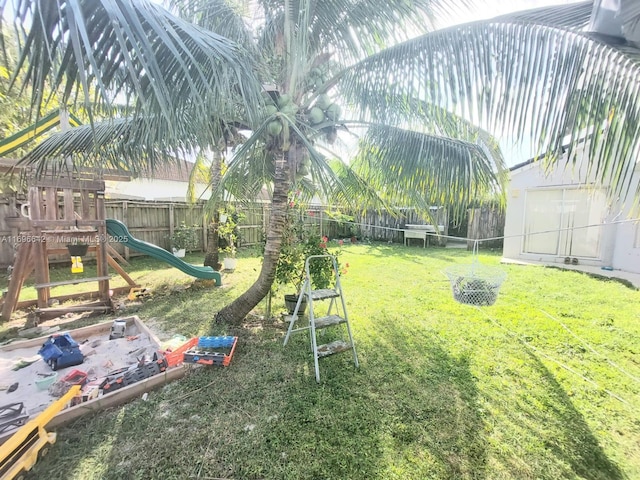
(289, 109)
(316, 116)
(333, 112)
(270, 110)
(274, 128)
(284, 99)
(323, 102)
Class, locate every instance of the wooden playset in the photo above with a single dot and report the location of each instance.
(63, 214)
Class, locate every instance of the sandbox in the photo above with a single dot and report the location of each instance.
(102, 356)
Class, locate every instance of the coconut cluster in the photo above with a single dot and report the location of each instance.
(285, 106)
(323, 110)
(316, 79)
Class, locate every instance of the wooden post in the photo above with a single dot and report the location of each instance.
(101, 250)
(85, 201)
(121, 271)
(39, 248)
(171, 219)
(22, 268)
(68, 204)
(51, 203)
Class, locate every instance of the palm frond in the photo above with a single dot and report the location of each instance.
(521, 80)
(413, 169)
(355, 191)
(121, 144)
(574, 16)
(354, 28)
(200, 173)
(135, 51)
(228, 19)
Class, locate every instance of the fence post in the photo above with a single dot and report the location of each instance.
(125, 220)
(205, 230)
(171, 219)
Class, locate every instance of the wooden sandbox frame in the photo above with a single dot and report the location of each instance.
(120, 396)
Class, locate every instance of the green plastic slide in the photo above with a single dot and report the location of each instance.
(119, 233)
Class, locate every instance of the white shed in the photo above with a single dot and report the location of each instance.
(566, 217)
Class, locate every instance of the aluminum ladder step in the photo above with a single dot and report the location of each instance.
(323, 294)
(328, 321)
(338, 346)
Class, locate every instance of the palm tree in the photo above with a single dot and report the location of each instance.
(330, 69)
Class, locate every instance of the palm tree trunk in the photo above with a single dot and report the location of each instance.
(212, 258)
(240, 308)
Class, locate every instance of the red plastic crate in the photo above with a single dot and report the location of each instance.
(75, 377)
(204, 351)
(176, 357)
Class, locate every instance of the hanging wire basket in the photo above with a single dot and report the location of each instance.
(475, 284)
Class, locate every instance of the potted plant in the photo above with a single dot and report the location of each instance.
(298, 243)
(230, 261)
(77, 249)
(228, 239)
(184, 239)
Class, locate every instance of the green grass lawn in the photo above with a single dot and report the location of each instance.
(544, 384)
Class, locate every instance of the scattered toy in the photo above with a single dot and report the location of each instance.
(118, 329)
(75, 377)
(127, 376)
(24, 363)
(61, 351)
(205, 351)
(20, 453)
(12, 415)
(137, 293)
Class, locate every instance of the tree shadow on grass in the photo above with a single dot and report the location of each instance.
(401, 415)
(570, 439)
(412, 411)
(264, 417)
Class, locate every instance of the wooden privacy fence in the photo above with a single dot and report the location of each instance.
(154, 222)
(485, 223)
(378, 226)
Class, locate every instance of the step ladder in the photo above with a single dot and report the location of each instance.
(330, 320)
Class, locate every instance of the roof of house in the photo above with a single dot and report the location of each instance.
(522, 164)
(178, 171)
